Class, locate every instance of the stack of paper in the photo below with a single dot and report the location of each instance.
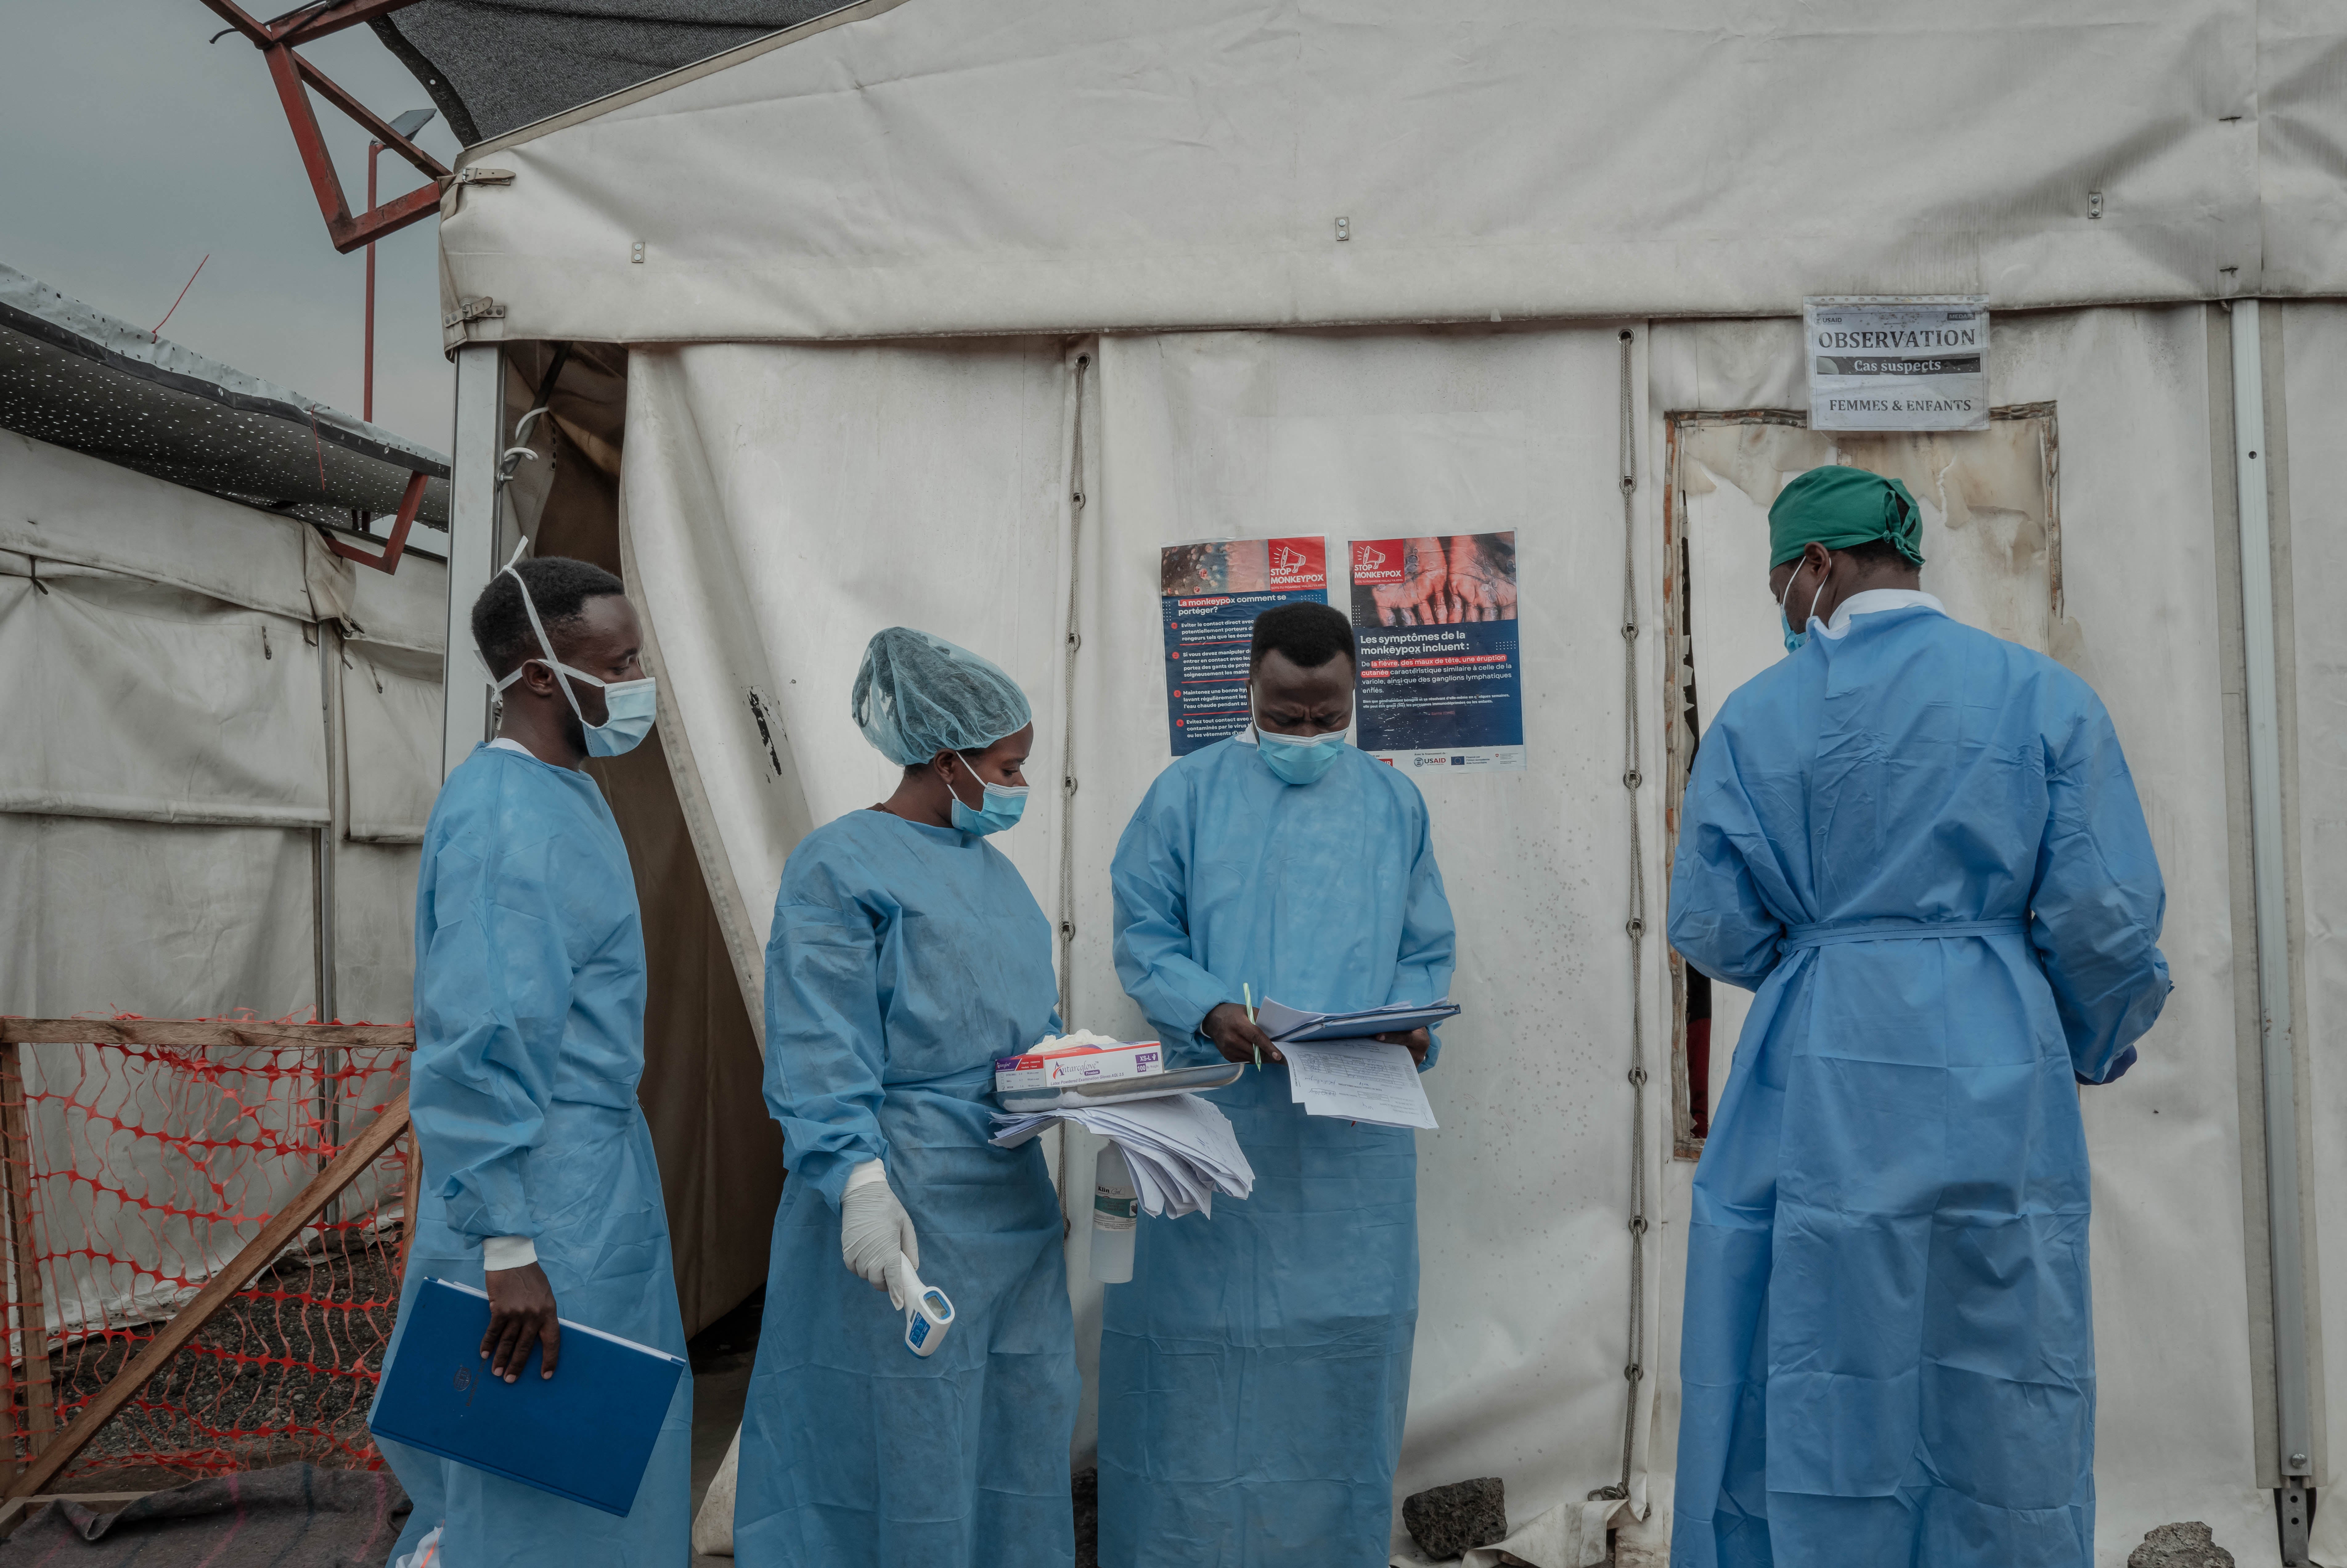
(1357, 1080)
(1182, 1149)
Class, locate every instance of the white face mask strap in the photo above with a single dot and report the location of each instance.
(974, 779)
(1781, 597)
(561, 673)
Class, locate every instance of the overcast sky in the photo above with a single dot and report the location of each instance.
(131, 149)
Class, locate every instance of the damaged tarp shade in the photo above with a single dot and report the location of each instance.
(492, 66)
(76, 377)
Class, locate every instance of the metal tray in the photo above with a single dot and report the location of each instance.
(1122, 1091)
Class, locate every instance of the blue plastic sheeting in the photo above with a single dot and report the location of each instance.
(1254, 1373)
(529, 1039)
(1923, 846)
(904, 959)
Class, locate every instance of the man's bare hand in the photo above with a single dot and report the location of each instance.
(1419, 1040)
(1235, 1037)
(521, 1314)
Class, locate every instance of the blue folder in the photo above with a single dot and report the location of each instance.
(586, 1433)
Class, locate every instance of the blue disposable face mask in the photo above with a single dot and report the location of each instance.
(1298, 759)
(1794, 639)
(1004, 804)
(629, 706)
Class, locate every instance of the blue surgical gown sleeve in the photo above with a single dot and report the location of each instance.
(1720, 921)
(493, 992)
(1430, 941)
(1149, 879)
(2098, 902)
(826, 1045)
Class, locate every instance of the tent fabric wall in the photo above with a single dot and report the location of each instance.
(1050, 166)
(2169, 1243)
(784, 502)
(160, 826)
(720, 1156)
(2313, 373)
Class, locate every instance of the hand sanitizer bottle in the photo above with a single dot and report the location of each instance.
(1116, 1214)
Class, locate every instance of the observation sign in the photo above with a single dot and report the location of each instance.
(1906, 362)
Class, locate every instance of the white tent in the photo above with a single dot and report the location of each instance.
(952, 314)
(222, 739)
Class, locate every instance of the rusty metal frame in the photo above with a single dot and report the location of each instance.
(296, 78)
(388, 561)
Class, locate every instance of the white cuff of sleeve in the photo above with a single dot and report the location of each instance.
(865, 1174)
(503, 1251)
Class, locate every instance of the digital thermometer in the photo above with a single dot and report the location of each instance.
(927, 1314)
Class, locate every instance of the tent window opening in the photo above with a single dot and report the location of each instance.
(1992, 556)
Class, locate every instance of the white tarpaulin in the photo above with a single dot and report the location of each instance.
(163, 814)
(782, 503)
(948, 166)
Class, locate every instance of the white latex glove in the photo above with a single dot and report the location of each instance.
(874, 1228)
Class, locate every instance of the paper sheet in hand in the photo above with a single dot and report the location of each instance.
(1360, 1081)
(586, 1433)
(1181, 1150)
(1285, 1023)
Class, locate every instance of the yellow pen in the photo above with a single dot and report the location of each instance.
(1246, 993)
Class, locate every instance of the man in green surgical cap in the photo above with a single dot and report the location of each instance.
(1919, 846)
(1843, 541)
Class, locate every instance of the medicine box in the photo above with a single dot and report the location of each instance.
(1077, 1065)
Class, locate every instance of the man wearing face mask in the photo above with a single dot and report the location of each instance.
(1921, 847)
(539, 1183)
(1254, 1373)
(907, 957)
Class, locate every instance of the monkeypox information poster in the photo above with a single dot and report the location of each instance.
(1918, 363)
(1441, 683)
(1212, 590)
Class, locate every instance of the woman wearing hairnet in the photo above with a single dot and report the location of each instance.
(906, 955)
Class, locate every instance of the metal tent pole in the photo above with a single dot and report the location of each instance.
(2293, 1400)
(472, 544)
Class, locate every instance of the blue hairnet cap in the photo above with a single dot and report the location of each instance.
(916, 695)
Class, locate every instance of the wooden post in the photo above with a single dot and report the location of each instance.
(411, 1203)
(32, 1313)
(257, 1255)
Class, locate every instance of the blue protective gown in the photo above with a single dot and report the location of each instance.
(529, 1039)
(1254, 1373)
(1923, 847)
(904, 959)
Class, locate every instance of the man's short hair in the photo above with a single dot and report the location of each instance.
(558, 586)
(1307, 635)
(1877, 553)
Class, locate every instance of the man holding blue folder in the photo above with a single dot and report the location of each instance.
(539, 1179)
(1254, 1373)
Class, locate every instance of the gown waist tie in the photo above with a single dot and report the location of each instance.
(1825, 933)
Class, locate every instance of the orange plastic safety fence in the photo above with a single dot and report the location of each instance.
(147, 1168)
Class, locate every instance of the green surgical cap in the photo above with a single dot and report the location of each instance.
(916, 695)
(1840, 508)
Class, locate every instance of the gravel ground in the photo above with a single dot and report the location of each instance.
(229, 1401)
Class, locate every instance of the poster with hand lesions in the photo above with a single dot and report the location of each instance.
(1442, 684)
(1210, 592)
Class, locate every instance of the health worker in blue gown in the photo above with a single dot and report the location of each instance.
(1255, 1372)
(907, 957)
(1922, 847)
(539, 1179)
